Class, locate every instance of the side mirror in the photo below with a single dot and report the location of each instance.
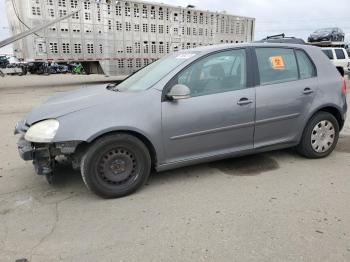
(178, 92)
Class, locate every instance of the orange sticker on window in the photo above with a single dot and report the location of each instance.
(277, 62)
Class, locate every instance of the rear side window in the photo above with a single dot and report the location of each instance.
(328, 53)
(340, 54)
(306, 67)
(276, 65)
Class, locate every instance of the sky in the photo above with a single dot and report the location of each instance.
(294, 17)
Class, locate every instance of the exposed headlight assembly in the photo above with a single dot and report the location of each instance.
(42, 132)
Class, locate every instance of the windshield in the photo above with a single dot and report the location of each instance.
(151, 74)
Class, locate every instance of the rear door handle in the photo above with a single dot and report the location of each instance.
(307, 91)
(244, 101)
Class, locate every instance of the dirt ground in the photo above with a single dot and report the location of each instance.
(274, 206)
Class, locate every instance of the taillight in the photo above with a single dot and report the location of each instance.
(343, 89)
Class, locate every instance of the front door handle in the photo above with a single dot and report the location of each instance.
(308, 91)
(244, 101)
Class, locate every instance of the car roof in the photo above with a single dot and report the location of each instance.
(218, 47)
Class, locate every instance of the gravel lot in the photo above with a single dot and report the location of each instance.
(269, 207)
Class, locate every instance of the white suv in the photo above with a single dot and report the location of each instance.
(339, 57)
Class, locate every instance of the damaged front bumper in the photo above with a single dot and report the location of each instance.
(43, 159)
(25, 148)
(44, 155)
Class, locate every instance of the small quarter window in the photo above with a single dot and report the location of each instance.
(306, 67)
(328, 53)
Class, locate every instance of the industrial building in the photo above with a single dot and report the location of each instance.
(118, 37)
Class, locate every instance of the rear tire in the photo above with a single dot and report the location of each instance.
(320, 136)
(116, 165)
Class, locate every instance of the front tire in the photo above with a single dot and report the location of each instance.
(320, 136)
(116, 165)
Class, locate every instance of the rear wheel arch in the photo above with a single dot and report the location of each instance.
(329, 109)
(320, 135)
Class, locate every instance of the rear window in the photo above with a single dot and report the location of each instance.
(340, 54)
(276, 65)
(328, 53)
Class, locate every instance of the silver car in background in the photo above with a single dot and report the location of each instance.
(190, 107)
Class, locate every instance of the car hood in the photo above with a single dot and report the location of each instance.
(73, 101)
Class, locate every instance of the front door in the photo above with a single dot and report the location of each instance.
(219, 116)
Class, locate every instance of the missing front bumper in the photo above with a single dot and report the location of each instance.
(25, 149)
(44, 155)
(41, 157)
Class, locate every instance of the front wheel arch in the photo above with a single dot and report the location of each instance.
(115, 165)
(149, 145)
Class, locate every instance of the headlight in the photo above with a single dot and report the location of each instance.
(42, 132)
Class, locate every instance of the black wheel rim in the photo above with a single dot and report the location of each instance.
(117, 167)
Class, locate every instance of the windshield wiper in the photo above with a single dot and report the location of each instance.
(113, 87)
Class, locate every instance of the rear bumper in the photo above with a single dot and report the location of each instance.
(344, 111)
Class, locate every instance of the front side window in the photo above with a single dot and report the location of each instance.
(217, 73)
(276, 65)
(306, 67)
(340, 54)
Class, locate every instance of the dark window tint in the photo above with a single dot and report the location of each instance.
(276, 65)
(328, 53)
(217, 73)
(306, 67)
(340, 53)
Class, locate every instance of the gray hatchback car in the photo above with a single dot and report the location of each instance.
(189, 107)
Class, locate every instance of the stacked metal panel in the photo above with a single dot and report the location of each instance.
(122, 36)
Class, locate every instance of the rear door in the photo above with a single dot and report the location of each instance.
(287, 88)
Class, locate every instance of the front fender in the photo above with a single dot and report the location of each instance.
(91, 123)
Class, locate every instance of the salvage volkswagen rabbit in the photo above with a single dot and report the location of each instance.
(189, 107)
